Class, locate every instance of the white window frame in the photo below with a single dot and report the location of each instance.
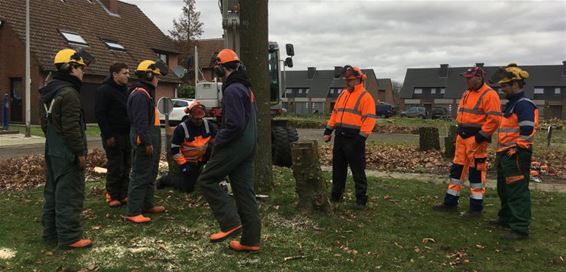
(433, 91)
(418, 91)
(288, 91)
(557, 91)
(442, 90)
(114, 45)
(73, 38)
(538, 91)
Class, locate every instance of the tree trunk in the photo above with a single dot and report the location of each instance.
(450, 142)
(428, 138)
(174, 168)
(253, 53)
(310, 184)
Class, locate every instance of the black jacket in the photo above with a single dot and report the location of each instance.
(141, 111)
(110, 109)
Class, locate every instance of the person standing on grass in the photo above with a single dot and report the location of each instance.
(478, 117)
(63, 124)
(352, 121)
(145, 137)
(515, 149)
(112, 117)
(233, 156)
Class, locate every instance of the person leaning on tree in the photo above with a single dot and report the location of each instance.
(64, 126)
(514, 152)
(112, 117)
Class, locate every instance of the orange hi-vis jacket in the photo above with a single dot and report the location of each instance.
(353, 113)
(191, 149)
(509, 131)
(479, 112)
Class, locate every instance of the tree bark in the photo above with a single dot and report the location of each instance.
(428, 138)
(253, 53)
(450, 142)
(310, 184)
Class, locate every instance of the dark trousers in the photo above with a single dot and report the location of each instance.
(349, 151)
(144, 172)
(513, 175)
(64, 198)
(183, 182)
(119, 165)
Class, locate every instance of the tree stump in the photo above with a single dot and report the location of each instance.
(310, 184)
(174, 168)
(450, 142)
(429, 138)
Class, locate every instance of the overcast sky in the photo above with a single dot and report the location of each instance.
(391, 36)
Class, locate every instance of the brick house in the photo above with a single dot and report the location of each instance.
(110, 30)
(443, 87)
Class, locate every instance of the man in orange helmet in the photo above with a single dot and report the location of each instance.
(190, 148)
(233, 156)
(352, 121)
(478, 117)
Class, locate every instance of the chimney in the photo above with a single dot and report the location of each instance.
(110, 5)
(310, 72)
(564, 68)
(443, 72)
(479, 64)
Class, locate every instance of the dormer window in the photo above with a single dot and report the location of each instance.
(114, 45)
(74, 38)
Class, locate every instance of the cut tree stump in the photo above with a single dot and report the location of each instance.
(450, 142)
(174, 168)
(310, 184)
(429, 138)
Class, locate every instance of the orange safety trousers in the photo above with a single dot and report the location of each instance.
(470, 159)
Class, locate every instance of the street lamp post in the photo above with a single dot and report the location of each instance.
(28, 76)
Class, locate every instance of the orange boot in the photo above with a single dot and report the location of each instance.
(138, 219)
(236, 246)
(221, 235)
(82, 243)
(112, 202)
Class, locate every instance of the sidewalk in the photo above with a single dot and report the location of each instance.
(8, 140)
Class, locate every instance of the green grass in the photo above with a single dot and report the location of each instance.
(398, 233)
(91, 130)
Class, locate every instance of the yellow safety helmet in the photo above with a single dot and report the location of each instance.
(67, 56)
(156, 67)
(512, 73)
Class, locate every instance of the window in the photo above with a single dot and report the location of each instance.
(557, 91)
(114, 45)
(300, 91)
(442, 91)
(306, 91)
(418, 91)
(433, 91)
(539, 91)
(180, 103)
(73, 38)
(164, 57)
(288, 91)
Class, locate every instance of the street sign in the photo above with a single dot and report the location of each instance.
(165, 105)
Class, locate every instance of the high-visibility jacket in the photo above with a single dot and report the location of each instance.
(479, 111)
(191, 148)
(515, 132)
(353, 113)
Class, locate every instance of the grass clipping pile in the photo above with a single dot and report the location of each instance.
(29, 171)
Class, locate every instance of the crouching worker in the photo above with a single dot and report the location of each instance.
(190, 149)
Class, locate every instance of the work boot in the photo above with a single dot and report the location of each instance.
(82, 243)
(514, 236)
(236, 246)
(112, 202)
(138, 219)
(498, 222)
(469, 214)
(156, 209)
(124, 200)
(221, 235)
(444, 208)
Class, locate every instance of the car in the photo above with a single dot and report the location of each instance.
(419, 112)
(385, 110)
(178, 114)
(439, 113)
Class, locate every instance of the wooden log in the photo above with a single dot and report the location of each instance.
(310, 185)
(429, 138)
(450, 142)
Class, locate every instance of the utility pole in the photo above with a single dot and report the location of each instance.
(28, 75)
(253, 52)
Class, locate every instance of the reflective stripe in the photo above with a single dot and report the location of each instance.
(206, 127)
(508, 144)
(365, 135)
(348, 126)
(469, 125)
(456, 182)
(174, 145)
(329, 127)
(357, 105)
(526, 137)
(476, 195)
(186, 130)
(369, 115)
(478, 185)
(508, 130)
(178, 155)
(353, 111)
(483, 134)
(478, 112)
(526, 124)
(496, 113)
(478, 103)
(453, 192)
(200, 148)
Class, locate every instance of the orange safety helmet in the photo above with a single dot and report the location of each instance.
(226, 55)
(351, 72)
(199, 109)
